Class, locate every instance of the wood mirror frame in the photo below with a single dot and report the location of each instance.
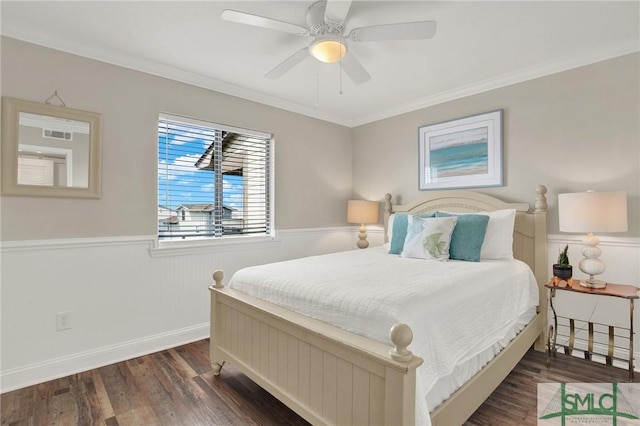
(11, 109)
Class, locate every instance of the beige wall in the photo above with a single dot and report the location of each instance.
(572, 131)
(312, 157)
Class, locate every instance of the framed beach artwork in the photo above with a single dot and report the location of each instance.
(462, 153)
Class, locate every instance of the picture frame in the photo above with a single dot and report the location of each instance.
(461, 153)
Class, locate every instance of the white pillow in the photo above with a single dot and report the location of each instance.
(498, 239)
(428, 238)
(390, 226)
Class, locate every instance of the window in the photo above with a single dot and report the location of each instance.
(213, 180)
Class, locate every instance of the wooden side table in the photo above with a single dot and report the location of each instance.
(628, 292)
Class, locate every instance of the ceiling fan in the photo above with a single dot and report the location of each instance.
(326, 24)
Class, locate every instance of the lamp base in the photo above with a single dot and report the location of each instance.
(591, 264)
(363, 244)
(362, 237)
(591, 283)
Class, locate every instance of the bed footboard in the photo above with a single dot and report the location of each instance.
(325, 374)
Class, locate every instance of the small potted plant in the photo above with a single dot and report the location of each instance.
(563, 269)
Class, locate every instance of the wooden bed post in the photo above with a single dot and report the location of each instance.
(399, 397)
(388, 209)
(400, 384)
(541, 271)
(214, 355)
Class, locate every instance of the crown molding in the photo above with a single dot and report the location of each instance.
(184, 76)
(167, 71)
(508, 79)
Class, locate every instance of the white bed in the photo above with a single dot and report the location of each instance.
(314, 331)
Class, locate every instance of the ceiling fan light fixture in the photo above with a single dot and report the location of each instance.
(328, 48)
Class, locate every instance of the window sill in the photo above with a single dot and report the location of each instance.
(191, 247)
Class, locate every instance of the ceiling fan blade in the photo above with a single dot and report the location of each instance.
(403, 31)
(263, 22)
(288, 63)
(354, 69)
(336, 11)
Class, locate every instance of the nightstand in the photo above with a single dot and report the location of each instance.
(628, 292)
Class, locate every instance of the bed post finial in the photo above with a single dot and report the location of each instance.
(387, 203)
(541, 199)
(388, 209)
(218, 276)
(401, 337)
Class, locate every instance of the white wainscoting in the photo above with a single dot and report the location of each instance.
(128, 299)
(622, 258)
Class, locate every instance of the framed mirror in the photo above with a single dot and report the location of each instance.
(50, 151)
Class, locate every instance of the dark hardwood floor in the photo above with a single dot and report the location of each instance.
(177, 387)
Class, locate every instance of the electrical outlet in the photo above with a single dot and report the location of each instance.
(63, 321)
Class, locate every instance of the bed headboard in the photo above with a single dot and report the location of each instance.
(530, 230)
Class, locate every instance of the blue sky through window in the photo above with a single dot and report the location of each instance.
(179, 180)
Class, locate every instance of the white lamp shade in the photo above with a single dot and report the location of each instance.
(593, 212)
(362, 211)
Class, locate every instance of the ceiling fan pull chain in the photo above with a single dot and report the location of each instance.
(341, 76)
(317, 89)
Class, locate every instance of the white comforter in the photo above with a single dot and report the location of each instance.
(456, 309)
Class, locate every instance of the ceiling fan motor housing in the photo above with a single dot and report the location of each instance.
(317, 23)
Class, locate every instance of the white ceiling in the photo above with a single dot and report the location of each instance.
(478, 46)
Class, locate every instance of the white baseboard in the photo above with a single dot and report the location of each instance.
(64, 366)
(580, 347)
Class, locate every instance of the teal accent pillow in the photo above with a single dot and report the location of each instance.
(399, 231)
(468, 236)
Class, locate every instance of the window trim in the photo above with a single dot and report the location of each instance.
(218, 126)
(164, 247)
(197, 247)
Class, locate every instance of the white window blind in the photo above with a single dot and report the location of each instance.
(213, 180)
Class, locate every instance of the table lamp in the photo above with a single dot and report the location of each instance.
(362, 212)
(592, 212)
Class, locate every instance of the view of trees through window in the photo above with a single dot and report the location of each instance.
(213, 181)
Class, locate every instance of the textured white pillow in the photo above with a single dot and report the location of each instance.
(428, 238)
(392, 216)
(498, 240)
